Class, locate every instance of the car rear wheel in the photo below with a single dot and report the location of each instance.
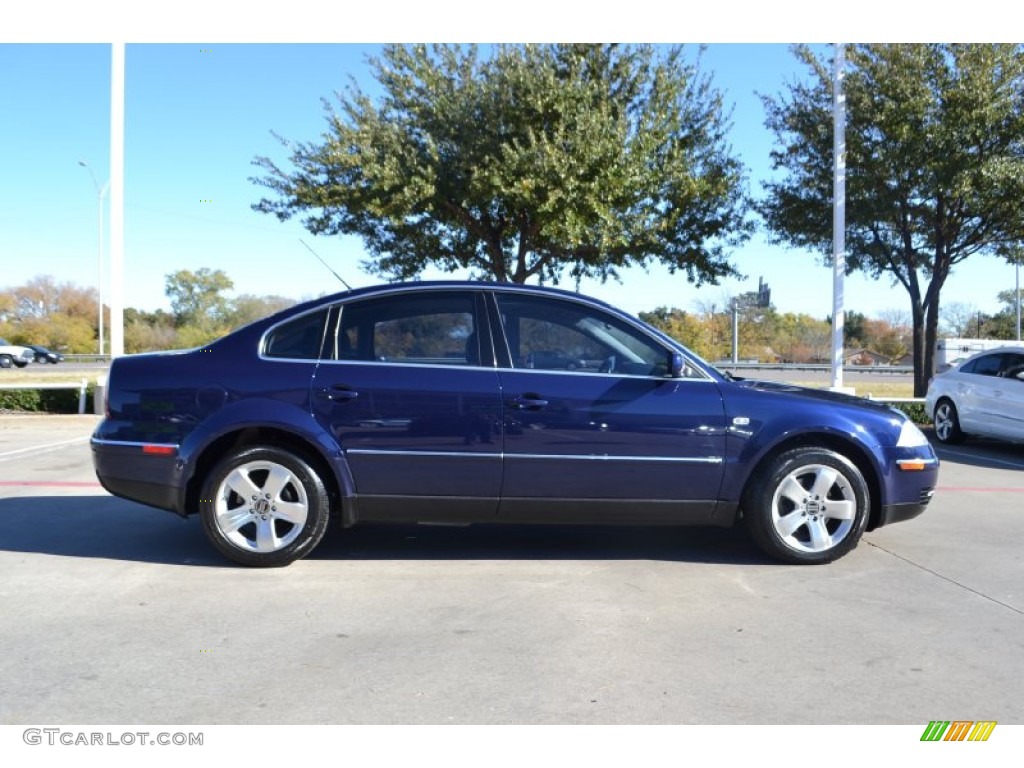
(947, 423)
(264, 506)
(6, 361)
(807, 506)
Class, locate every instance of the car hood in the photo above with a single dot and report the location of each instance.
(821, 395)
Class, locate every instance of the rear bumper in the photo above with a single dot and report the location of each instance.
(126, 470)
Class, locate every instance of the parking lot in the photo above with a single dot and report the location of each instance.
(115, 612)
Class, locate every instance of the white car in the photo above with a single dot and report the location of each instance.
(982, 395)
(14, 354)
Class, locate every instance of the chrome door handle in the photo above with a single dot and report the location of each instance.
(528, 402)
(339, 393)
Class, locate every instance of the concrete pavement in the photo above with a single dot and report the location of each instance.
(115, 612)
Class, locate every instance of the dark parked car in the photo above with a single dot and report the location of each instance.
(431, 402)
(44, 355)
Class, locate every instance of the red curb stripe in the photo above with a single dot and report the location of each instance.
(943, 489)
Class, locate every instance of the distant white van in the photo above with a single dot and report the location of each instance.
(950, 351)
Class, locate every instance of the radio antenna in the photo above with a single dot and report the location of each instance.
(326, 264)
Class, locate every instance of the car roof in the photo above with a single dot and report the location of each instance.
(425, 285)
(462, 284)
(993, 351)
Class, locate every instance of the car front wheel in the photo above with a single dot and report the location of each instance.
(947, 423)
(807, 506)
(264, 506)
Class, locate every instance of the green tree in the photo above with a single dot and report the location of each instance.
(1003, 324)
(61, 316)
(853, 328)
(885, 338)
(684, 327)
(58, 331)
(534, 161)
(934, 141)
(148, 331)
(43, 296)
(956, 317)
(140, 336)
(196, 297)
(803, 339)
(248, 308)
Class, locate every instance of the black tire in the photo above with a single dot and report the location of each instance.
(242, 507)
(6, 361)
(947, 423)
(807, 506)
(21, 363)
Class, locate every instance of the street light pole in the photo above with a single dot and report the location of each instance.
(838, 213)
(100, 193)
(1016, 263)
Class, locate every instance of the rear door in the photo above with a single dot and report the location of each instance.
(411, 395)
(976, 385)
(1008, 396)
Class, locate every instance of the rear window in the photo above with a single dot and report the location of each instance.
(298, 339)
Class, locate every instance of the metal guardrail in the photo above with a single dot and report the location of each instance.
(722, 364)
(896, 399)
(81, 387)
(902, 370)
(87, 358)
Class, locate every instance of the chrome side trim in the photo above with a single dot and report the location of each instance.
(131, 444)
(454, 366)
(462, 454)
(586, 457)
(543, 456)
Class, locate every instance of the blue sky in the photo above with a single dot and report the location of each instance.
(198, 113)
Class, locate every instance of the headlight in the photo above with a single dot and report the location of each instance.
(911, 436)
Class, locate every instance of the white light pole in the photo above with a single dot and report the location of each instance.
(1016, 263)
(116, 200)
(100, 193)
(838, 214)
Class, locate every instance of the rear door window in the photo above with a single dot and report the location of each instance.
(421, 329)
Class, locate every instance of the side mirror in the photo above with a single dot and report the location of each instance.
(675, 365)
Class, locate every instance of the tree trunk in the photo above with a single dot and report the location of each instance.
(920, 344)
(931, 332)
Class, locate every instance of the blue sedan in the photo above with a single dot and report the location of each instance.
(468, 402)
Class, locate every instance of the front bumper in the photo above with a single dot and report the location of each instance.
(910, 477)
(897, 513)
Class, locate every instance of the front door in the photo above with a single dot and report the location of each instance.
(594, 426)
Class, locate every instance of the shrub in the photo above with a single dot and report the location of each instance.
(915, 411)
(45, 400)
